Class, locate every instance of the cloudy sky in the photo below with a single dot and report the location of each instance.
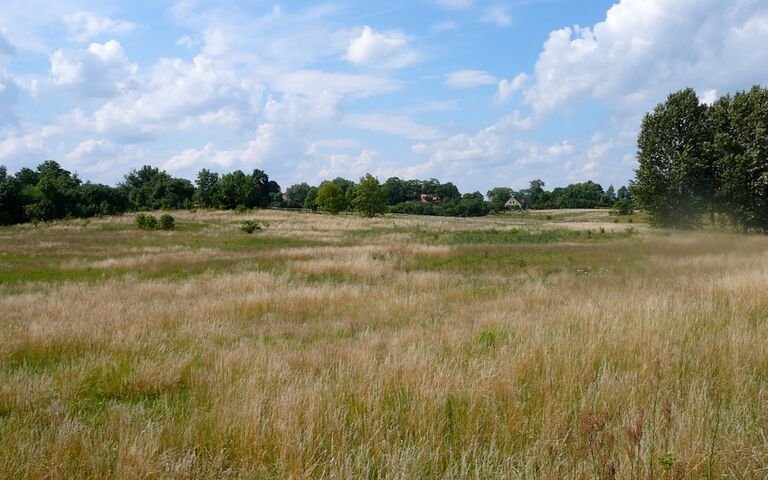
(482, 93)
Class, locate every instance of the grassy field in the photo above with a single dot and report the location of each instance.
(554, 345)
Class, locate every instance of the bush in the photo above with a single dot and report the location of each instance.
(250, 226)
(167, 222)
(145, 222)
(241, 208)
(623, 207)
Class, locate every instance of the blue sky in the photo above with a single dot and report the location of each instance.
(481, 93)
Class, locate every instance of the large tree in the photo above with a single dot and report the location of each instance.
(676, 179)
(297, 194)
(331, 198)
(741, 145)
(369, 199)
(208, 191)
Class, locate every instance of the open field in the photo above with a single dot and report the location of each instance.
(555, 345)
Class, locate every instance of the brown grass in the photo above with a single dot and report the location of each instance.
(350, 359)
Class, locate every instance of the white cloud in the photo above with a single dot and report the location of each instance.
(455, 4)
(469, 79)
(101, 70)
(28, 147)
(391, 124)
(84, 26)
(497, 15)
(175, 95)
(386, 49)
(646, 48)
(507, 88)
(314, 82)
(348, 166)
(445, 26)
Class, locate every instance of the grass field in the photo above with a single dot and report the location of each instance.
(555, 345)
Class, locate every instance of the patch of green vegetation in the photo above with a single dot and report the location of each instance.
(516, 236)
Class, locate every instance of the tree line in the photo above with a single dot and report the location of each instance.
(50, 192)
(700, 161)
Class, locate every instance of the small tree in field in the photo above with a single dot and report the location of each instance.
(330, 198)
(369, 198)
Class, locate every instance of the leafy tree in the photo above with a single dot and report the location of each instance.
(208, 191)
(741, 144)
(11, 199)
(395, 191)
(330, 198)
(499, 197)
(55, 195)
(610, 197)
(310, 201)
(623, 194)
(236, 189)
(676, 179)
(297, 195)
(369, 199)
(98, 199)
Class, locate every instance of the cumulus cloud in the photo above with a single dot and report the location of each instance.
(469, 79)
(27, 147)
(647, 48)
(101, 70)
(379, 49)
(507, 88)
(455, 4)
(392, 125)
(175, 95)
(84, 26)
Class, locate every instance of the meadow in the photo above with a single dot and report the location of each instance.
(562, 344)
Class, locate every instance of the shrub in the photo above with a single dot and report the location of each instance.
(623, 207)
(250, 226)
(167, 222)
(241, 208)
(146, 222)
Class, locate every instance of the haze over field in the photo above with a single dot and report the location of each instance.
(478, 92)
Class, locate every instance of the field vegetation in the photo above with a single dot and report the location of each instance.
(563, 344)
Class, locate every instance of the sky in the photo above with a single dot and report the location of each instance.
(480, 93)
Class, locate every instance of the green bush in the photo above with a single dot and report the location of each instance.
(250, 226)
(167, 222)
(241, 208)
(145, 222)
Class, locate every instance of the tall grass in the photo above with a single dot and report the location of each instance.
(340, 356)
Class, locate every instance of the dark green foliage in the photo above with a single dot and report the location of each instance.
(251, 191)
(145, 222)
(310, 201)
(166, 222)
(148, 188)
(623, 207)
(331, 198)
(741, 145)
(498, 197)
(676, 177)
(250, 226)
(369, 199)
(296, 195)
(208, 193)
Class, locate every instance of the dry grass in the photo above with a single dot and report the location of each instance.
(368, 348)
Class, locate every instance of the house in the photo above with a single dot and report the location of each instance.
(427, 198)
(513, 203)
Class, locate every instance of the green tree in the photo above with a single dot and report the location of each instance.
(741, 144)
(330, 198)
(11, 199)
(208, 191)
(236, 189)
(310, 201)
(56, 194)
(369, 199)
(676, 178)
(297, 195)
(498, 197)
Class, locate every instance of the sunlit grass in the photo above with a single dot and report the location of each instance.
(397, 347)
